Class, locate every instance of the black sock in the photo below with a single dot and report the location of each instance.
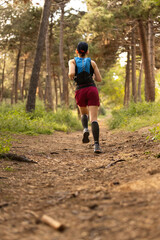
(84, 119)
(95, 131)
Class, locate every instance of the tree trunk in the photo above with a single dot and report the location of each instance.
(60, 89)
(151, 49)
(140, 82)
(48, 89)
(24, 78)
(56, 89)
(17, 72)
(134, 80)
(13, 86)
(3, 76)
(127, 80)
(38, 57)
(149, 87)
(63, 70)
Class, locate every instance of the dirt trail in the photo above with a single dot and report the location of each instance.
(114, 196)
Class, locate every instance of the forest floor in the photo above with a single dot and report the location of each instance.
(114, 195)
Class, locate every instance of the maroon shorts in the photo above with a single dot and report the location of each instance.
(87, 96)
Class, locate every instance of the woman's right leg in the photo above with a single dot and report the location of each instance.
(84, 119)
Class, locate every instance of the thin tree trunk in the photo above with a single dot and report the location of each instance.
(56, 89)
(134, 80)
(17, 72)
(24, 78)
(48, 89)
(140, 82)
(13, 87)
(127, 80)
(151, 49)
(38, 57)
(63, 70)
(60, 89)
(149, 87)
(3, 77)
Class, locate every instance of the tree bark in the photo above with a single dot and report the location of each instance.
(56, 89)
(134, 80)
(60, 89)
(48, 89)
(17, 72)
(63, 70)
(3, 77)
(13, 87)
(149, 87)
(24, 78)
(140, 82)
(151, 49)
(127, 80)
(30, 106)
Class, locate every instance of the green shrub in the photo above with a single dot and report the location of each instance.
(155, 133)
(5, 143)
(137, 115)
(15, 119)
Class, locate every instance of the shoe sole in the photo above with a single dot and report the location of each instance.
(98, 151)
(85, 137)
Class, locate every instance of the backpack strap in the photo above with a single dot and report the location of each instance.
(91, 68)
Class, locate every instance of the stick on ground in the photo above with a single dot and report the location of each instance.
(48, 220)
(51, 222)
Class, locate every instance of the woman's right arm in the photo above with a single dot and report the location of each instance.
(98, 77)
(71, 73)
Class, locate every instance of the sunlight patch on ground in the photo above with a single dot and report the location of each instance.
(148, 184)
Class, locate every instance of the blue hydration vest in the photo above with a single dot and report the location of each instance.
(84, 73)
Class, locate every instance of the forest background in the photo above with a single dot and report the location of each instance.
(37, 42)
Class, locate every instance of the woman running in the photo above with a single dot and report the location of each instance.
(81, 70)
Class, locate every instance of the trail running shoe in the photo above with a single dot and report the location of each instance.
(85, 138)
(97, 148)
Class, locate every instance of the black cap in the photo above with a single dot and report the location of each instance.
(82, 47)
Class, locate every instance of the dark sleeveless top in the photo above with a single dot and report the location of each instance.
(83, 73)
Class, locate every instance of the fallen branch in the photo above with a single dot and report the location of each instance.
(15, 157)
(112, 164)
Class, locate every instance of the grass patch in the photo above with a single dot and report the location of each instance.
(15, 119)
(5, 143)
(8, 169)
(135, 116)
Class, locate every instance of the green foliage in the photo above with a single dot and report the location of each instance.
(112, 89)
(19, 24)
(140, 9)
(155, 133)
(5, 143)
(136, 116)
(15, 119)
(8, 169)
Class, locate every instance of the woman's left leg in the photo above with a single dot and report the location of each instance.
(93, 112)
